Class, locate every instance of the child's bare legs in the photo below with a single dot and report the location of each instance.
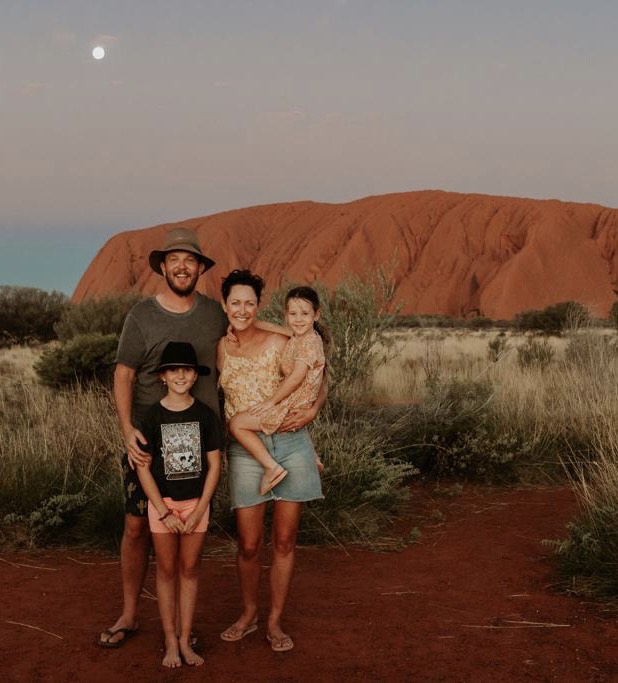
(190, 550)
(166, 549)
(243, 427)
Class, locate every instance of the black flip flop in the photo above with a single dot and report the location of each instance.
(114, 645)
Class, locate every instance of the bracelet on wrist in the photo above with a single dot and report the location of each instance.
(165, 516)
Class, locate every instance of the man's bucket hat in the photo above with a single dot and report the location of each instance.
(179, 239)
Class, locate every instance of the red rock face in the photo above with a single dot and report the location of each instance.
(455, 254)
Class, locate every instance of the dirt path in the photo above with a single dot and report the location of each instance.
(473, 601)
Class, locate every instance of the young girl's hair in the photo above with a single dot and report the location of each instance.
(311, 296)
(242, 277)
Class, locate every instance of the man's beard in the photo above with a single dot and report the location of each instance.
(181, 292)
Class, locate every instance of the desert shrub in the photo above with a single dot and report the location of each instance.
(357, 314)
(484, 454)
(362, 480)
(553, 319)
(103, 316)
(589, 554)
(452, 434)
(535, 353)
(497, 347)
(61, 471)
(590, 351)
(84, 359)
(41, 525)
(28, 315)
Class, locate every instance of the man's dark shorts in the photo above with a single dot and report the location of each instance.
(135, 500)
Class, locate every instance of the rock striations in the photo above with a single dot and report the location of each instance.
(455, 254)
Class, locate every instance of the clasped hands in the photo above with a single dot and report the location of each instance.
(177, 526)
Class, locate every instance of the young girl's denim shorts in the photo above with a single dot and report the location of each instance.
(293, 451)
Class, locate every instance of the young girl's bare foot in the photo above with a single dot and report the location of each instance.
(189, 655)
(172, 654)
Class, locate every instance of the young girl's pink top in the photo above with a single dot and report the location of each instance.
(309, 350)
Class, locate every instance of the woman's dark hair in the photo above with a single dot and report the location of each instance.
(242, 277)
(309, 295)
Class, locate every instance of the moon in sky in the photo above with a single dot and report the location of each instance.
(98, 52)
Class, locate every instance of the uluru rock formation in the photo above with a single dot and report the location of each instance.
(454, 254)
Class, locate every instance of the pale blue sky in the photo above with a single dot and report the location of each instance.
(201, 106)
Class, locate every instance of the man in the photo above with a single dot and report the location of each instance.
(179, 313)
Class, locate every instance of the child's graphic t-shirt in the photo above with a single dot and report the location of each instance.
(178, 442)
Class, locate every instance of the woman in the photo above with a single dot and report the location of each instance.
(250, 374)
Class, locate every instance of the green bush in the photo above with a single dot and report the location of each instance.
(28, 315)
(41, 525)
(535, 354)
(553, 319)
(455, 433)
(587, 558)
(104, 316)
(362, 480)
(83, 360)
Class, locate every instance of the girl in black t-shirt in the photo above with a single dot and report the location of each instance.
(184, 439)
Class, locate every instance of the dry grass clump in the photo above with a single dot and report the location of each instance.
(59, 455)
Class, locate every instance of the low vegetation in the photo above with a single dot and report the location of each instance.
(487, 404)
(28, 315)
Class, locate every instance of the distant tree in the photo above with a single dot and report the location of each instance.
(28, 314)
(553, 319)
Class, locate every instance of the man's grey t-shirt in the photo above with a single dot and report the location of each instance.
(149, 327)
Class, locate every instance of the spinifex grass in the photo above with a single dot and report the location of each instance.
(59, 446)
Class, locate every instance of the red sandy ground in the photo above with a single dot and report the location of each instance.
(474, 600)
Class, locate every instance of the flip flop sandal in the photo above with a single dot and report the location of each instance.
(269, 485)
(114, 645)
(283, 644)
(232, 634)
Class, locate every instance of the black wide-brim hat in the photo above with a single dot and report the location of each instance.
(180, 355)
(179, 239)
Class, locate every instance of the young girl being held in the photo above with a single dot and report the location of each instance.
(302, 364)
(184, 439)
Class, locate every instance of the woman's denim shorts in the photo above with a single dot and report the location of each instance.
(294, 451)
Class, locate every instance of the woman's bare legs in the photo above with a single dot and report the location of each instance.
(286, 519)
(250, 527)
(166, 549)
(188, 563)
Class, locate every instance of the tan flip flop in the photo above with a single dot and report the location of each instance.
(233, 633)
(280, 644)
(268, 483)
